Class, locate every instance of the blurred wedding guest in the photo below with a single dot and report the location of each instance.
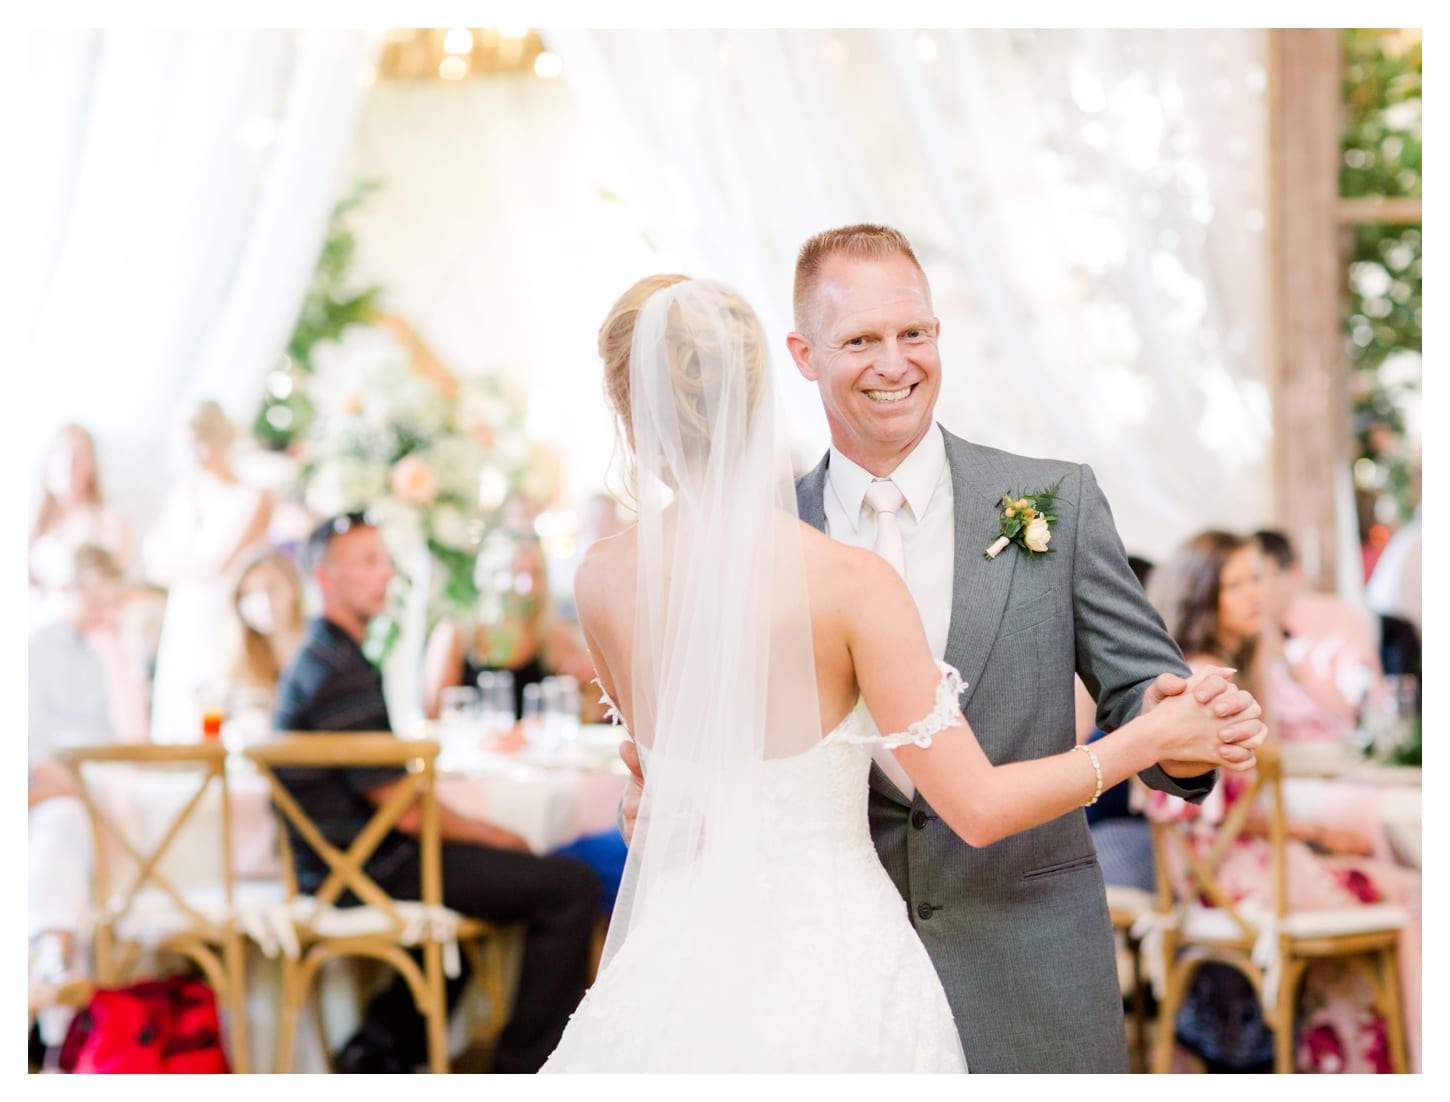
(513, 628)
(1393, 593)
(70, 704)
(488, 871)
(1212, 597)
(208, 520)
(1321, 658)
(270, 621)
(72, 512)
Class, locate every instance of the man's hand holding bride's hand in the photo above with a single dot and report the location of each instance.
(629, 806)
(1211, 722)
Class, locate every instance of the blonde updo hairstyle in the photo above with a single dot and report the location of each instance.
(684, 344)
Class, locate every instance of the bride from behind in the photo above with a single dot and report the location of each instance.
(748, 655)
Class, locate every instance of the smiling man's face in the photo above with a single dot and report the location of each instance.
(872, 350)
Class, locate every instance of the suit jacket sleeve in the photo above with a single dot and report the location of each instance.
(1122, 644)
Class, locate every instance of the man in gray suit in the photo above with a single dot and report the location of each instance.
(1018, 931)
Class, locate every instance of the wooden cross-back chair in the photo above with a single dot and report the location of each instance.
(195, 917)
(382, 927)
(1271, 947)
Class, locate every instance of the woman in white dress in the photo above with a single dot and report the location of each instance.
(749, 655)
(209, 519)
(73, 512)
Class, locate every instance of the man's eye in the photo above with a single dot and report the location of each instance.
(856, 342)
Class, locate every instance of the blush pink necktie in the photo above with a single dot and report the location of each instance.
(886, 499)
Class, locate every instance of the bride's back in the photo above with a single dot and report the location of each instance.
(605, 593)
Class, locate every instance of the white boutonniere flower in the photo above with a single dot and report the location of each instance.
(1027, 521)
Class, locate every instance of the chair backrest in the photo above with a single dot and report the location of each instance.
(1189, 851)
(346, 869)
(114, 808)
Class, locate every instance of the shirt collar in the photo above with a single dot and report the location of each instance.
(916, 477)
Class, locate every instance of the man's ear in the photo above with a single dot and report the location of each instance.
(800, 351)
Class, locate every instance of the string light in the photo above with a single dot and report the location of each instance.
(453, 67)
(458, 41)
(548, 65)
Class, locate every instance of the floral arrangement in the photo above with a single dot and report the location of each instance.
(430, 457)
(1027, 521)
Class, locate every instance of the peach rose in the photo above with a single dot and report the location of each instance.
(413, 481)
(1038, 535)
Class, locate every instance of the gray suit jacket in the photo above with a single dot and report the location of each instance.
(1019, 931)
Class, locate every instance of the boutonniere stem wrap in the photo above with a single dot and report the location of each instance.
(1026, 520)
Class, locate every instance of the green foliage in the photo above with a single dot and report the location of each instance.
(1382, 151)
(1020, 509)
(332, 303)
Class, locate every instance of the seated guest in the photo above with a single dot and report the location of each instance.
(1393, 592)
(70, 705)
(267, 604)
(1321, 660)
(1211, 596)
(488, 872)
(513, 629)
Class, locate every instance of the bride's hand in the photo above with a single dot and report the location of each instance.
(1192, 731)
(629, 805)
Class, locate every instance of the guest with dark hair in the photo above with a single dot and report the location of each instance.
(1212, 597)
(488, 872)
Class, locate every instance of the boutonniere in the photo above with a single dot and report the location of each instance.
(1027, 521)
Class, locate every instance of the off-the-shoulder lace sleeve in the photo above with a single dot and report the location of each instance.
(945, 713)
(611, 711)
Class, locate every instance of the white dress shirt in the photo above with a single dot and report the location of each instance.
(928, 537)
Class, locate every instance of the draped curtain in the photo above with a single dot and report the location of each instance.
(180, 187)
(1089, 207)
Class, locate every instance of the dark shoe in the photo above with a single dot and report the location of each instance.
(359, 1057)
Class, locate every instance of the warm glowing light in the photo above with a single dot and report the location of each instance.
(548, 65)
(453, 68)
(458, 41)
(513, 30)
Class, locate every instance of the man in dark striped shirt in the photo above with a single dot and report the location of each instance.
(488, 872)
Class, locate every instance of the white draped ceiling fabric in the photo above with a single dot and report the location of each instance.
(182, 182)
(1089, 206)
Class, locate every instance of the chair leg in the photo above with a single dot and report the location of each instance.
(287, 1022)
(1179, 974)
(436, 1012)
(1394, 1010)
(1282, 1015)
(241, 1040)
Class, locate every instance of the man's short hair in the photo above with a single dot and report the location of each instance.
(1276, 545)
(863, 241)
(323, 535)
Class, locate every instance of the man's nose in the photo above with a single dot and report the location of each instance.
(891, 364)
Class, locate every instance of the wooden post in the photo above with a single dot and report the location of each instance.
(1308, 368)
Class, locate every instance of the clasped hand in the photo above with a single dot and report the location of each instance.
(1212, 723)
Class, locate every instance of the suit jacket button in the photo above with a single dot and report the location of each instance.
(918, 819)
(924, 911)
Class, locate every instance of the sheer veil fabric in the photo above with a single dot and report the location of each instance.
(723, 679)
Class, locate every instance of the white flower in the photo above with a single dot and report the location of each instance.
(345, 484)
(1038, 535)
(456, 460)
(451, 527)
(401, 525)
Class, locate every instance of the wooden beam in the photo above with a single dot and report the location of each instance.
(1379, 212)
(1308, 370)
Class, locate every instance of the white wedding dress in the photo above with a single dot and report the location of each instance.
(837, 979)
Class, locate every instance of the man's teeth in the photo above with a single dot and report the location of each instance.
(888, 395)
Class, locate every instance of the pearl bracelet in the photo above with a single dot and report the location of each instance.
(1097, 769)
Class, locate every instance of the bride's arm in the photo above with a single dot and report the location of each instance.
(982, 802)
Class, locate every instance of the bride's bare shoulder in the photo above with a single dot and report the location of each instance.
(840, 566)
(607, 565)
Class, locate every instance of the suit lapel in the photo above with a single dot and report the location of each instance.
(810, 494)
(979, 585)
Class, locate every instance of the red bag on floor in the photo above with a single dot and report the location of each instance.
(158, 1026)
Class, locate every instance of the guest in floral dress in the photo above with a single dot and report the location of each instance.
(1211, 597)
